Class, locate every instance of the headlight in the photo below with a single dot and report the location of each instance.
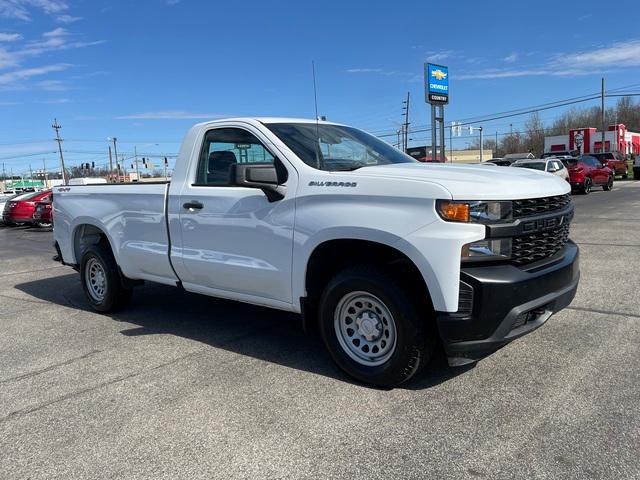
(474, 211)
(488, 249)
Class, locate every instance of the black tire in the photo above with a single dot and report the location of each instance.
(636, 174)
(586, 186)
(114, 296)
(414, 335)
(609, 185)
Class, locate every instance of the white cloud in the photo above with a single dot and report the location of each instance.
(56, 32)
(621, 54)
(52, 85)
(172, 2)
(513, 73)
(602, 58)
(56, 101)
(26, 73)
(67, 19)
(20, 9)
(7, 59)
(511, 57)
(10, 37)
(170, 115)
(439, 56)
(364, 70)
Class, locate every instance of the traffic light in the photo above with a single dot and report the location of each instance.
(166, 161)
(93, 164)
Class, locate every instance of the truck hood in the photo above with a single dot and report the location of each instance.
(475, 182)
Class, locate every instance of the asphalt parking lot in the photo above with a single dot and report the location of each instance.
(183, 386)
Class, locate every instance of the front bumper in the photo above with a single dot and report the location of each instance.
(504, 302)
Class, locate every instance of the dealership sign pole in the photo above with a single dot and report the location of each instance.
(436, 86)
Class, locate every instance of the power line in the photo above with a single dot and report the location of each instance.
(499, 117)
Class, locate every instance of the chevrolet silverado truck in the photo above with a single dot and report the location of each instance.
(384, 257)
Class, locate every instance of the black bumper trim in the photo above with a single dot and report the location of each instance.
(504, 295)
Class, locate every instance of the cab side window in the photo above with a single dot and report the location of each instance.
(225, 147)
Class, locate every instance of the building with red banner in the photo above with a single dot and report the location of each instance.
(589, 140)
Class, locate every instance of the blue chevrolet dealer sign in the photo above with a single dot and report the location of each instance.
(436, 83)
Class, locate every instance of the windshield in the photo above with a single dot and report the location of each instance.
(533, 165)
(336, 148)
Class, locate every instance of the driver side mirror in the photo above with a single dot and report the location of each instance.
(264, 176)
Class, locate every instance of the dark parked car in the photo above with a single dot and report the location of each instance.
(561, 154)
(615, 161)
(501, 162)
(586, 172)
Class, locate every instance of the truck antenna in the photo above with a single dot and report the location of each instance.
(315, 100)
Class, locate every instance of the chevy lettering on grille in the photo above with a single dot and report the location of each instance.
(544, 224)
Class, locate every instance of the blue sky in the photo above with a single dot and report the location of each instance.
(145, 70)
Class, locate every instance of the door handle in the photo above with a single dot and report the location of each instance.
(193, 205)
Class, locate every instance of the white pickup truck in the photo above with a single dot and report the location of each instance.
(383, 256)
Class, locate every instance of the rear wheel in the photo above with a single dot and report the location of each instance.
(586, 186)
(609, 185)
(101, 280)
(372, 329)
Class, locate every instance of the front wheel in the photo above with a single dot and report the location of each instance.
(101, 280)
(372, 329)
(609, 185)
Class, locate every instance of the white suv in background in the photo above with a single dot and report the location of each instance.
(550, 165)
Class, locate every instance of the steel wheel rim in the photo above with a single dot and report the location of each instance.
(365, 328)
(95, 280)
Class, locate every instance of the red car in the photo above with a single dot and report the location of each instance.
(42, 216)
(586, 172)
(20, 210)
(615, 161)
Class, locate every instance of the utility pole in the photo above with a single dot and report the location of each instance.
(481, 145)
(602, 114)
(115, 148)
(135, 155)
(406, 123)
(56, 126)
(496, 152)
(44, 172)
(110, 165)
(31, 175)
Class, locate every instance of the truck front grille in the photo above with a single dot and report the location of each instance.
(535, 206)
(536, 246)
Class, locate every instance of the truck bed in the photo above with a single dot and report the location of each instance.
(134, 217)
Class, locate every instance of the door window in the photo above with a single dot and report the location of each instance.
(225, 147)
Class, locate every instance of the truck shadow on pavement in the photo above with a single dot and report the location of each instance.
(262, 333)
